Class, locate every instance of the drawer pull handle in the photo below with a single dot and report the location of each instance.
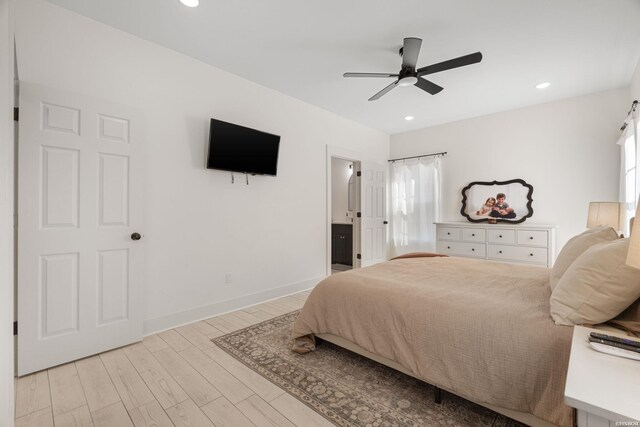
(530, 254)
(473, 234)
(499, 252)
(472, 249)
(531, 238)
(448, 234)
(500, 236)
(448, 247)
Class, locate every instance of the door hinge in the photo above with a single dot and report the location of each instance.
(359, 214)
(359, 173)
(358, 256)
(15, 328)
(385, 222)
(16, 114)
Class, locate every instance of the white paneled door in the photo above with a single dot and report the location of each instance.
(373, 233)
(80, 253)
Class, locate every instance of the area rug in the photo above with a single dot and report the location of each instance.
(346, 388)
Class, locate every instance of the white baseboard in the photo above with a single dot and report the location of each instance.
(159, 324)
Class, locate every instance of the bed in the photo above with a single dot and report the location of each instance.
(481, 330)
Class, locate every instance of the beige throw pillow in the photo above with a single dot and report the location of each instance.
(576, 247)
(596, 287)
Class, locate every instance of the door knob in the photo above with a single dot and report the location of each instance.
(136, 236)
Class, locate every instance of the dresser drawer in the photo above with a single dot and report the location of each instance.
(449, 233)
(501, 236)
(473, 234)
(517, 253)
(532, 238)
(475, 250)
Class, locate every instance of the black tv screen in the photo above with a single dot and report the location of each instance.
(237, 148)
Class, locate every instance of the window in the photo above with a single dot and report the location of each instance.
(628, 169)
(415, 205)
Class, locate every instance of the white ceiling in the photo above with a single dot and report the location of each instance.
(301, 48)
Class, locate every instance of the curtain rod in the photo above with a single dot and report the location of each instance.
(444, 153)
(634, 104)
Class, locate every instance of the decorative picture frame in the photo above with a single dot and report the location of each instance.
(477, 206)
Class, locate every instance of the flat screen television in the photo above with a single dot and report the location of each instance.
(237, 148)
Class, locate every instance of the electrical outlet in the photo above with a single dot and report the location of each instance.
(227, 278)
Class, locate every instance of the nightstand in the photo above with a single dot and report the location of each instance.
(603, 388)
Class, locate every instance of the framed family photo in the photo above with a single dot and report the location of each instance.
(497, 201)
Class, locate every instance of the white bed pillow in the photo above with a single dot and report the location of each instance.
(575, 247)
(597, 287)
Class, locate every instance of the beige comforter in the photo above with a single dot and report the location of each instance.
(479, 329)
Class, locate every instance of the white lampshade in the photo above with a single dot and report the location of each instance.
(605, 213)
(633, 255)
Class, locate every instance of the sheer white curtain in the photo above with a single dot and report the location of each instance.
(629, 178)
(415, 205)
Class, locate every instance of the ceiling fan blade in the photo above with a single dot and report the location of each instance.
(383, 91)
(410, 52)
(369, 75)
(428, 86)
(452, 63)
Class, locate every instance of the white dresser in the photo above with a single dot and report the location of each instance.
(529, 244)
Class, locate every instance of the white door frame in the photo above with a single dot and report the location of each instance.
(355, 157)
(7, 158)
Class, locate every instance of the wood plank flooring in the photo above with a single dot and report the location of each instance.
(174, 378)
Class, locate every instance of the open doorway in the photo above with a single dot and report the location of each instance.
(343, 213)
(367, 216)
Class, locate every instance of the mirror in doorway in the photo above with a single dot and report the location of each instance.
(497, 201)
(343, 190)
(352, 191)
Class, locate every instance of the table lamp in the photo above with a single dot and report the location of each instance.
(605, 213)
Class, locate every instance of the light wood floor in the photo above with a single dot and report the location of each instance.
(177, 377)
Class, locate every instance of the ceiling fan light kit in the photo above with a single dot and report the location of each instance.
(408, 81)
(190, 3)
(409, 75)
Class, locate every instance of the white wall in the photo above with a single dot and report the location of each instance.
(6, 212)
(270, 234)
(340, 174)
(565, 149)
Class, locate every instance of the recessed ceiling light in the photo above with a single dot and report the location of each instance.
(543, 85)
(190, 3)
(408, 118)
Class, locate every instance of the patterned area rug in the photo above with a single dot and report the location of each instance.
(346, 388)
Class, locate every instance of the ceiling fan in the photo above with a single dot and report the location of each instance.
(408, 74)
